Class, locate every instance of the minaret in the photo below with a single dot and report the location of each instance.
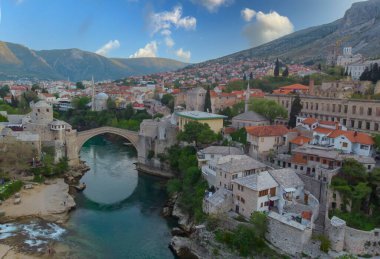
(247, 93)
(93, 95)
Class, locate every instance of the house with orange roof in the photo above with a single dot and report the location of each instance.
(353, 142)
(266, 139)
(292, 89)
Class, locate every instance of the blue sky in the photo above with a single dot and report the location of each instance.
(187, 30)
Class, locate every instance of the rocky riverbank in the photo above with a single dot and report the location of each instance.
(190, 240)
(39, 205)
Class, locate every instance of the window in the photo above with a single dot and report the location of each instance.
(354, 109)
(376, 126)
(344, 144)
(301, 168)
(316, 106)
(369, 167)
(369, 112)
(345, 109)
(263, 193)
(324, 161)
(311, 158)
(47, 110)
(234, 176)
(261, 205)
(333, 108)
(273, 191)
(352, 123)
(296, 167)
(242, 200)
(266, 204)
(318, 159)
(225, 175)
(361, 110)
(368, 125)
(359, 124)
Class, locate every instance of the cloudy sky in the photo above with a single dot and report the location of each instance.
(187, 30)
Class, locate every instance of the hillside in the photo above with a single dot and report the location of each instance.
(17, 61)
(359, 28)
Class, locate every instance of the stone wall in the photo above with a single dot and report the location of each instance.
(319, 189)
(289, 236)
(352, 240)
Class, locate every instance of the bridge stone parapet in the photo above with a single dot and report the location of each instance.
(131, 136)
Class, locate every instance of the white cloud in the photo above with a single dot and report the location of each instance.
(166, 20)
(112, 44)
(213, 5)
(169, 42)
(248, 14)
(185, 55)
(268, 27)
(166, 32)
(150, 50)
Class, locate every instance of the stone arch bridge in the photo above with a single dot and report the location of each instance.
(85, 135)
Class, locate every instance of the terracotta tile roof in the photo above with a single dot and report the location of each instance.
(229, 130)
(323, 130)
(267, 131)
(295, 87)
(300, 140)
(309, 121)
(331, 123)
(353, 136)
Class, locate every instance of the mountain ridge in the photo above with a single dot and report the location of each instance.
(359, 28)
(18, 61)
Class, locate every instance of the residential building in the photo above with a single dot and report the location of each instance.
(252, 193)
(220, 101)
(266, 139)
(232, 167)
(247, 119)
(355, 114)
(215, 121)
(208, 158)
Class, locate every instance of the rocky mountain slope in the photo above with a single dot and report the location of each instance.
(359, 28)
(18, 61)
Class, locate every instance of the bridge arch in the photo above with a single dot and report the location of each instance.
(83, 136)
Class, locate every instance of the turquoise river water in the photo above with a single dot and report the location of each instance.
(117, 215)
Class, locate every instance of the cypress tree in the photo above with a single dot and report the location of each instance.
(208, 101)
(276, 71)
(295, 111)
(285, 73)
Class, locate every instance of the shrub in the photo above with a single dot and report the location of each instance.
(9, 189)
(325, 243)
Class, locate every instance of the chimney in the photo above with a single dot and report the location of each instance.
(311, 86)
(356, 133)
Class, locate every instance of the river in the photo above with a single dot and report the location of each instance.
(118, 214)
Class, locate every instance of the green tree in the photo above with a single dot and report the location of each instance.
(353, 171)
(260, 221)
(80, 103)
(285, 73)
(360, 195)
(111, 105)
(240, 136)
(268, 108)
(168, 100)
(207, 107)
(198, 133)
(295, 111)
(276, 71)
(35, 87)
(80, 85)
(4, 91)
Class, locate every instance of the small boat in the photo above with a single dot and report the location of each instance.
(127, 143)
(80, 187)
